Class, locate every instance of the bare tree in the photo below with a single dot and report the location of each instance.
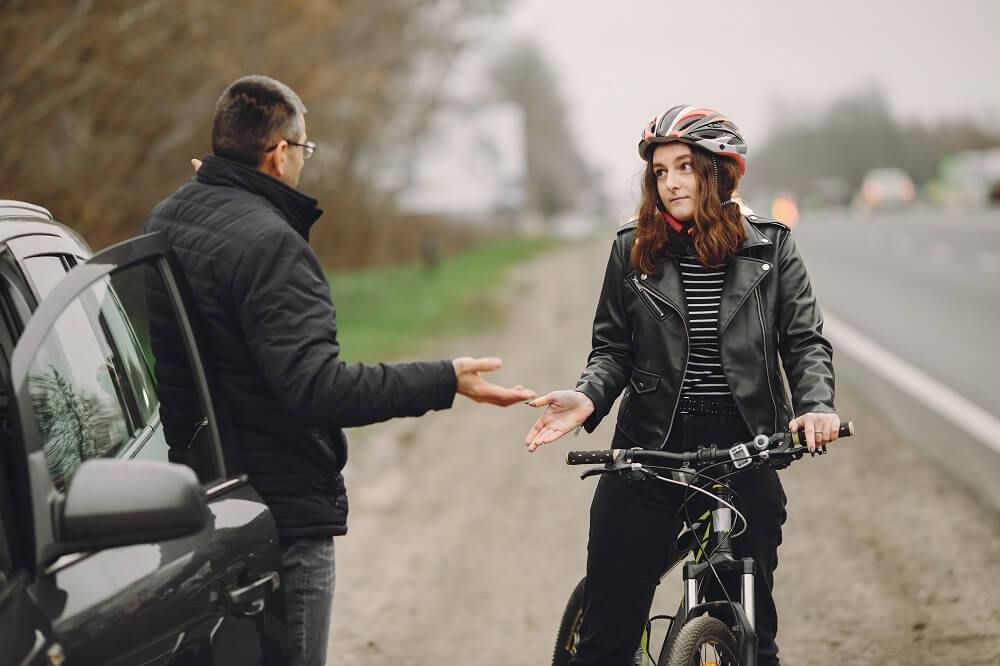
(558, 175)
(106, 101)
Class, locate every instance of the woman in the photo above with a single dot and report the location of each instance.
(699, 303)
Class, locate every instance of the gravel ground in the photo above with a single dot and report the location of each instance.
(463, 547)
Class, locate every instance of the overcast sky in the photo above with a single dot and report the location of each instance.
(623, 61)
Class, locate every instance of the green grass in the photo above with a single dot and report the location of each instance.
(389, 313)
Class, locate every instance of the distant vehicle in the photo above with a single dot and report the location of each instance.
(971, 178)
(785, 209)
(110, 552)
(887, 188)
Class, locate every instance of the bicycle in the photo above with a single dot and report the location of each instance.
(703, 632)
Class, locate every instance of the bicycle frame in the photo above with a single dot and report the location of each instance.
(741, 614)
(716, 545)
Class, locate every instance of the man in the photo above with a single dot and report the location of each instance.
(240, 230)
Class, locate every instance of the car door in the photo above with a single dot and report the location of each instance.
(109, 367)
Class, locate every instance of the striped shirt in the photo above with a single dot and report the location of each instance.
(703, 293)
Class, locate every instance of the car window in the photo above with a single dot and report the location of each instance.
(16, 292)
(45, 271)
(98, 380)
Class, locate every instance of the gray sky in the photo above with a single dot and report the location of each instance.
(621, 62)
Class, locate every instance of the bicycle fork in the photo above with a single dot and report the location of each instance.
(741, 616)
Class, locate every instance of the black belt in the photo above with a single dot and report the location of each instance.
(708, 405)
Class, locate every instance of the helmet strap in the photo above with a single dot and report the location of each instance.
(715, 176)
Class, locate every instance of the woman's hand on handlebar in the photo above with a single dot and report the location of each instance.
(565, 411)
(820, 429)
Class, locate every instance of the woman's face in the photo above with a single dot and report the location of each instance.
(675, 179)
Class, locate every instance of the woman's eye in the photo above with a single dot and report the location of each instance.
(686, 166)
(660, 173)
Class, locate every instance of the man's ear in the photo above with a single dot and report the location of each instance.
(273, 163)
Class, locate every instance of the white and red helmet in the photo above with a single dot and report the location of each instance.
(698, 126)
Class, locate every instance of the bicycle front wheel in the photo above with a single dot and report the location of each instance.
(704, 641)
(569, 627)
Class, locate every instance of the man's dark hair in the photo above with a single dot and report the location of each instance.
(254, 113)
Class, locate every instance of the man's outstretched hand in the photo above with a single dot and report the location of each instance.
(472, 385)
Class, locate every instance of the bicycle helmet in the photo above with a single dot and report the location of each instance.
(698, 126)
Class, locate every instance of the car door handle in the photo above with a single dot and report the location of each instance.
(249, 600)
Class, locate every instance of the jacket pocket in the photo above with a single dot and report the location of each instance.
(643, 382)
(641, 414)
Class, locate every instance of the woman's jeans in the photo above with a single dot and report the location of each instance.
(308, 580)
(633, 526)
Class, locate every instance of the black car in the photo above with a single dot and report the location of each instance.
(126, 534)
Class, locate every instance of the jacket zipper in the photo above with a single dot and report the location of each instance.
(648, 297)
(767, 366)
(651, 300)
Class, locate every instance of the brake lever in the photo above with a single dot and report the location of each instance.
(616, 467)
(594, 471)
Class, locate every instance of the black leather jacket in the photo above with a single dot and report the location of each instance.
(768, 320)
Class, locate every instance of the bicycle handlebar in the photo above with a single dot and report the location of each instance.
(784, 443)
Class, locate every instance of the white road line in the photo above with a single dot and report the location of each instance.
(933, 394)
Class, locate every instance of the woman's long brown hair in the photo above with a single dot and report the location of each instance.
(718, 230)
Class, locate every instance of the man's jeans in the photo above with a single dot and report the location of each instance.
(308, 580)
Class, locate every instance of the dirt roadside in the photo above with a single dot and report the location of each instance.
(463, 547)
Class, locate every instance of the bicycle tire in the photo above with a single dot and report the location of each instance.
(569, 627)
(698, 634)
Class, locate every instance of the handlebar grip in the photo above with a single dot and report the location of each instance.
(846, 430)
(603, 456)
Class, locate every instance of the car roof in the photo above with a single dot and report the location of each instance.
(19, 218)
(11, 208)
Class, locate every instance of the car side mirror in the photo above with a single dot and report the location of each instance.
(124, 502)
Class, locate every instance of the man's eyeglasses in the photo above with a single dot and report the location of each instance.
(308, 148)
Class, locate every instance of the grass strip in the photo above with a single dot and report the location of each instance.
(387, 313)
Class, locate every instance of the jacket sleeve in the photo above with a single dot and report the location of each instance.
(611, 357)
(282, 300)
(806, 355)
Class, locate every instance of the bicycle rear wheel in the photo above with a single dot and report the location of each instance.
(704, 641)
(569, 627)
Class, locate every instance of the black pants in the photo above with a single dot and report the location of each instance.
(633, 526)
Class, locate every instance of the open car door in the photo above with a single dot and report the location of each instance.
(108, 394)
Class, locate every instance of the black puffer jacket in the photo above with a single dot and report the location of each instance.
(640, 340)
(241, 238)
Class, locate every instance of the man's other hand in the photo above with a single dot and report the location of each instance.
(196, 163)
(472, 385)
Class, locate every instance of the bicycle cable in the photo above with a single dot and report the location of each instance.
(685, 506)
(689, 520)
(708, 556)
(729, 536)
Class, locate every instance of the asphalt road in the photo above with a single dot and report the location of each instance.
(923, 284)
